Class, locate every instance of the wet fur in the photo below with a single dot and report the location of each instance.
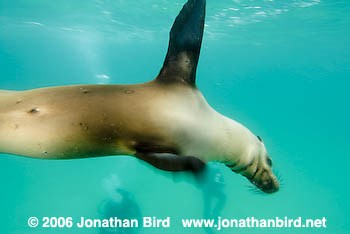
(166, 122)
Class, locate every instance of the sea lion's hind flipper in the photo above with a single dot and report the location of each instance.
(172, 162)
(184, 46)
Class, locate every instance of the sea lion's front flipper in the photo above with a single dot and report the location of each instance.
(184, 46)
(172, 162)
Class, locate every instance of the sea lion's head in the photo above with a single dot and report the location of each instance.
(259, 170)
(262, 176)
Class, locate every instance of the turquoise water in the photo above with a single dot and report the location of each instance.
(281, 68)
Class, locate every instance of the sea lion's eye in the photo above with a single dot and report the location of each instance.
(269, 161)
(260, 139)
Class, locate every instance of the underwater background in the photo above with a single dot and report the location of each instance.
(280, 67)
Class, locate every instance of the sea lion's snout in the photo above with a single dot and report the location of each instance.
(266, 181)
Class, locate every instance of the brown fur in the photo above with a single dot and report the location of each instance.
(85, 120)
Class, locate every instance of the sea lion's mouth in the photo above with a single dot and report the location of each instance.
(265, 181)
(270, 187)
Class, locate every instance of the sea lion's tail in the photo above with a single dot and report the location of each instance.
(184, 46)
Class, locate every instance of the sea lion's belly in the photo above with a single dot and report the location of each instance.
(80, 121)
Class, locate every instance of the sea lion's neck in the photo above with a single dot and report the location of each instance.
(230, 141)
(239, 139)
(214, 137)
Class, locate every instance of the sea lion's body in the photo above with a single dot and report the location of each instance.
(80, 121)
(165, 122)
(95, 120)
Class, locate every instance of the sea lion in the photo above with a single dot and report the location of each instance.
(165, 122)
